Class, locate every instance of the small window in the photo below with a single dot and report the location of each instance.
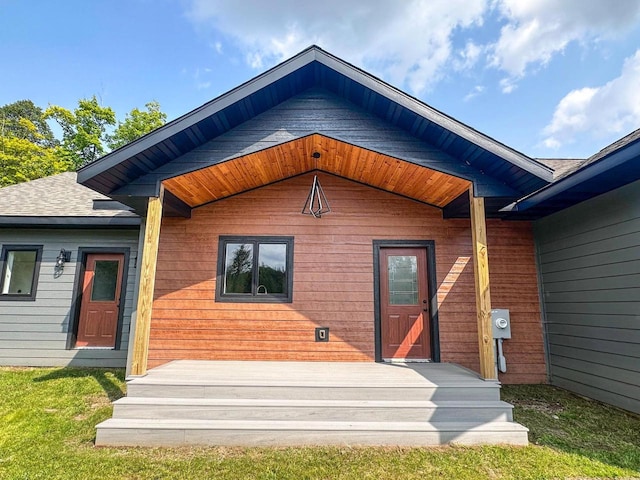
(255, 269)
(105, 280)
(20, 267)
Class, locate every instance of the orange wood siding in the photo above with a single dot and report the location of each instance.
(333, 279)
(514, 286)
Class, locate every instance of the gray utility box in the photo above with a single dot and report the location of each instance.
(501, 323)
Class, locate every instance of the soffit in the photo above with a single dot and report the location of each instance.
(296, 157)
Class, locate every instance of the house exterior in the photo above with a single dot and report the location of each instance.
(588, 250)
(232, 270)
(52, 232)
(410, 192)
(315, 215)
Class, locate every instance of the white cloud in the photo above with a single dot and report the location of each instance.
(536, 30)
(200, 77)
(409, 43)
(611, 109)
(468, 57)
(477, 90)
(508, 84)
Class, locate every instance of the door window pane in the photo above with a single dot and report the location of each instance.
(403, 279)
(272, 268)
(239, 264)
(19, 270)
(105, 280)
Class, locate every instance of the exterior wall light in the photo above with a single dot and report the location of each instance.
(63, 257)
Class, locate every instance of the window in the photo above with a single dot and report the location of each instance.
(255, 269)
(20, 267)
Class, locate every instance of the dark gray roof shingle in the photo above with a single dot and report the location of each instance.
(579, 165)
(55, 196)
(561, 166)
(618, 144)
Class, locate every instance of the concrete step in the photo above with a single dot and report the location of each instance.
(312, 410)
(165, 432)
(477, 391)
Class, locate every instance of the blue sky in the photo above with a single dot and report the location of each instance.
(550, 78)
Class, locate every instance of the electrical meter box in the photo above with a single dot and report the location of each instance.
(501, 323)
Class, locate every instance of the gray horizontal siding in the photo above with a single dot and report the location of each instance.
(10, 330)
(35, 333)
(604, 395)
(57, 357)
(589, 264)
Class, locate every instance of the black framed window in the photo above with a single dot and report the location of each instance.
(255, 269)
(20, 269)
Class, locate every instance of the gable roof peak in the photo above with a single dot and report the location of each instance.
(311, 67)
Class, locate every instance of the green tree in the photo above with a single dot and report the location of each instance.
(36, 131)
(22, 159)
(84, 130)
(136, 124)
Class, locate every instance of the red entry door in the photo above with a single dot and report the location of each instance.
(100, 307)
(404, 303)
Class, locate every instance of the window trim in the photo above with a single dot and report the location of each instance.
(253, 298)
(36, 272)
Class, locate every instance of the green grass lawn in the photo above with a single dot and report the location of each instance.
(48, 418)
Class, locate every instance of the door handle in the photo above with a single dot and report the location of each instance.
(425, 306)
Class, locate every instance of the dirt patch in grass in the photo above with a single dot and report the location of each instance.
(549, 408)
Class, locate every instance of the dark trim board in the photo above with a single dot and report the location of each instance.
(76, 300)
(69, 222)
(173, 206)
(430, 247)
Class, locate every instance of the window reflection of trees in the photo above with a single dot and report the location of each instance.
(239, 268)
(272, 274)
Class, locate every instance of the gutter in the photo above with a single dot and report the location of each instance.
(615, 159)
(68, 222)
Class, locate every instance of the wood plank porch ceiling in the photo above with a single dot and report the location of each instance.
(296, 157)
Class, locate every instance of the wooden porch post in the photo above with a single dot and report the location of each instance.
(483, 294)
(147, 284)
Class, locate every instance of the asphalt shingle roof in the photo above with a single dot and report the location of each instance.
(55, 196)
(617, 145)
(572, 166)
(562, 166)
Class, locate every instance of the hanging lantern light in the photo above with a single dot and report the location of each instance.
(316, 203)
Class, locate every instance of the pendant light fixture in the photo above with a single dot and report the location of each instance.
(316, 203)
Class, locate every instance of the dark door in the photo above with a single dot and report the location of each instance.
(99, 310)
(404, 303)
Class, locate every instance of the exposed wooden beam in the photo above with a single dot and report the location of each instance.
(483, 293)
(147, 285)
